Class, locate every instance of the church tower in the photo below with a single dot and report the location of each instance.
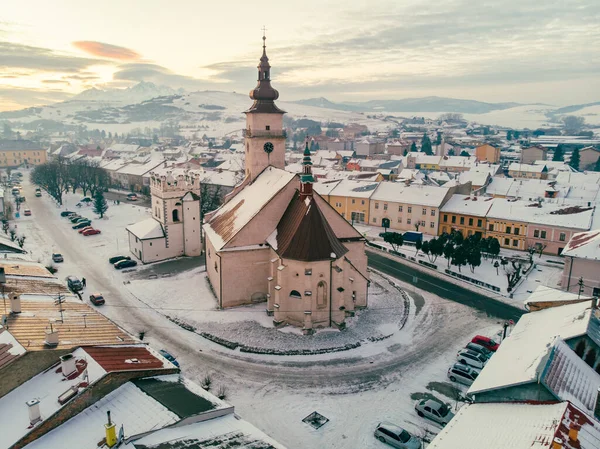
(264, 133)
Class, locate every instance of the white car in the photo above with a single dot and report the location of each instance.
(435, 410)
(396, 436)
(471, 358)
(462, 374)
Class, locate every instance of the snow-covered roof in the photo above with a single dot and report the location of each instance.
(123, 148)
(354, 189)
(325, 154)
(478, 206)
(549, 294)
(147, 229)
(294, 168)
(458, 161)
(414, 194)
(325, 187)
(550, 214)
(229, 219)
(139, 169)
(523, 355)
(516, 426)
(225, 178)
(584, 245)
(422, 158)
(232, 164)
(525, 168)
(474, 177)
(113, 164)
(10, 348)
(45, 387)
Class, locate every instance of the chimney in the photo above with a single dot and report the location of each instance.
(51, 336)
(15, 303)
(67, 364)
(111, 434)
(574, 432)
(557, 443)
(34, 411)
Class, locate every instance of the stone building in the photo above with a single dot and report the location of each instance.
(275, 240)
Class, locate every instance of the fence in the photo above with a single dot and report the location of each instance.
(472, 281)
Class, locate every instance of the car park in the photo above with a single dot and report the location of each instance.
(462, 374)
(434, 410)
(66, 213)
(82, 224)
(486, 342)
(90, 232)
(27, 212)
(169, 357)
(396, 436)
(471, 358)
(132, 197)
(57, 257)
(125, 264)
(74, 284)
(116, 259)
(97, 299)
(480, 349)
(84, 229)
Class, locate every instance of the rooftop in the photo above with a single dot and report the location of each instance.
(414, 194)
(477, 206)
(584, 245)
(125, 358)
(10, 348)
(542, 213)
(147, 229)
(354, 189)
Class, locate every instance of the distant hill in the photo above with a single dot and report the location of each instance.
(136, 94)
(424, 104)
(573, 108)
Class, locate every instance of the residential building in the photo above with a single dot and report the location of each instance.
(531, 154)
(398, 148)
(351, 199)
(478, 179)
(454, 164)
(518, 170)
(487, 153)
(506, 225)
(466, 214)
(368, 147)
(588, 156)
(132, 175)
(582, 262)
(14, 153)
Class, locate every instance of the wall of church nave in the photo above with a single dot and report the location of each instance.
(213, 268)
(244, 276)
(152, 250)
(191, 228)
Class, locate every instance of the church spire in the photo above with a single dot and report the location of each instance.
(306, 178)
(264, 95)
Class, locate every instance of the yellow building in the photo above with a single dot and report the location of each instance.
(466, 214)
(351, 199)
(14, 153)
(511, 233)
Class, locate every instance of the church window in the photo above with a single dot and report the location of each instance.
(150, 243)
(216, 269)
(175, 215)
(295, 294)
(321, 294)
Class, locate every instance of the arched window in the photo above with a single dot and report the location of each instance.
(175, 215)
(295, 294)
(322, 294)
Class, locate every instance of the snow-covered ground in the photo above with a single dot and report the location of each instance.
(355, 389)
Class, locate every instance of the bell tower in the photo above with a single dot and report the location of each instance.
(264, 133)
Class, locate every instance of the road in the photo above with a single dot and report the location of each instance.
(112, 196)
(445, 289)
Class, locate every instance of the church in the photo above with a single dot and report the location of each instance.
(276, 240)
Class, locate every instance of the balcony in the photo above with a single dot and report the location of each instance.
(271, 134)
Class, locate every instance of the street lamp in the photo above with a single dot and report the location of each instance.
(3, 283)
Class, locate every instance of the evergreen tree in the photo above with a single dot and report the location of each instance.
(575, 159)
(426, 145)
(100, 204)
(509, 135)
(559, 153)
(516, 134)
(413, 148)
(465, 153)
(405, 151)
(451, 152)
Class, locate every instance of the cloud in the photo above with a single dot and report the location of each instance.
(16, 98)
(55, 82)
(19, 56)
(104, 50)
(159, 75)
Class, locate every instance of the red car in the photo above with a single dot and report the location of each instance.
(91, 232)
(82, 230)
(486, 342)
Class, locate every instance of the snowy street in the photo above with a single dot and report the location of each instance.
(355, 389)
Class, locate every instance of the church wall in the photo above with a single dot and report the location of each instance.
(213, 268)
(265, 222)
(244, 274)
(259, 122)
(192, 245)
(150, 250)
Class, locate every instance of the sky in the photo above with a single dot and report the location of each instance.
(354, 50)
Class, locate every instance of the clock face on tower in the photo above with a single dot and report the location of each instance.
(268, 147)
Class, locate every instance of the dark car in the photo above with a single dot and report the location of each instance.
(74, 284)
(57, 257)
(86, 200)
(82, 224)
(486, 342)
(74, 218)
(66, 213)
(97, 299)
(132, 197)
(169, 357)
(115, 259)
(125, 264)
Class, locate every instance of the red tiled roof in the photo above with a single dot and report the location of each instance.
(124, 358)
(304, 234)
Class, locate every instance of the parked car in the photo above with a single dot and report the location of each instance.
(74, 284)
(86, 200)
(82, 224)
(38, 193)
(132, 197)
(486, 342)
(169, 357)
(75, 217)
(84, 229)
(21, 199)
(462, 374)
(97, 299)
(396, 436)
(27, 212)
(67, 213)
(116, 259)
(125, 264)
(480, 349)
(57, 257)
(471, 358)
(90, 232)
(434, 410)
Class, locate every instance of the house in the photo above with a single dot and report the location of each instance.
(351, 199)
(535, 153)
(551, 354)
(487, 153)
(277, 241)
(368, 147)
(506, 225)
(465, 214)
(582, 261)
(398, 148)
(518, 170)
(132, 175)
(588, 157)
(519, 425)
(454, 164)
(14, 153)
(478, 179)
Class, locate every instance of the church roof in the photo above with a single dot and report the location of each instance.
(147, 229)
(304, 234)
(237, 212)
